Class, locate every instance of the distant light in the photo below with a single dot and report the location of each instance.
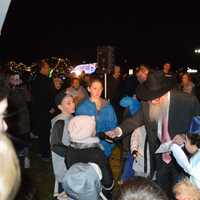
(50, 73)
(130, 71)
(192, 71)
(197, 51)
(87, 68)
(77, 72)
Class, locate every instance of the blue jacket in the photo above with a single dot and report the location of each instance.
(105, 119)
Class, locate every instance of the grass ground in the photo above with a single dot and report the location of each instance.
(40, 180)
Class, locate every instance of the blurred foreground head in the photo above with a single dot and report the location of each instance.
(141, 188)
(4, 92)
(185, 190)
(10, 175)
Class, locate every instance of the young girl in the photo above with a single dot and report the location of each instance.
(192, 145)
(101, 109)
(59, 137)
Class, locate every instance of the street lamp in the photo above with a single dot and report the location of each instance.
(197, 51)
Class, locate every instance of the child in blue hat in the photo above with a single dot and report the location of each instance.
(132, 105)
(192, 144)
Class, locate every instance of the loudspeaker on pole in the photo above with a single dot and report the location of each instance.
(105, 58)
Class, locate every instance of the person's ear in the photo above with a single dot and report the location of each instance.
(88, 88)
(59, 107)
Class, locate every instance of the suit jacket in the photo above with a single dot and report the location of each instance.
(182, 109)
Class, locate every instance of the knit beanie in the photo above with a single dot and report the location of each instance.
(82, 127)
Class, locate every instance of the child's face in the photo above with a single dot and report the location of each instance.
(67, 105)
(190, 147)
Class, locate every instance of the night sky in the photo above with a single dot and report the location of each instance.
(140, 34)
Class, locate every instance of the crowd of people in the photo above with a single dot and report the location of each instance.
(153, 116)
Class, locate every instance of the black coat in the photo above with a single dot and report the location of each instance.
(43, 94)
(91, 154)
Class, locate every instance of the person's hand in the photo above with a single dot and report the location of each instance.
(137, 152)
(179, 139)
(117, 132)
(103, 136)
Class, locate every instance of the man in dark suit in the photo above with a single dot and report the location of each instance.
(166, 115)
(43, 94)
(114, 90)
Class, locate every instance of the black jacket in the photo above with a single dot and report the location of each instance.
(92, 153)
(43, 94)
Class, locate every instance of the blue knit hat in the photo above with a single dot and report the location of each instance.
(195, 126)
(132, 104)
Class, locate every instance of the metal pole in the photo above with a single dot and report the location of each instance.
(105, 85)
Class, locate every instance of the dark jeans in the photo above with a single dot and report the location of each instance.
(43, 131)
(125, 149)
(128, 171)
